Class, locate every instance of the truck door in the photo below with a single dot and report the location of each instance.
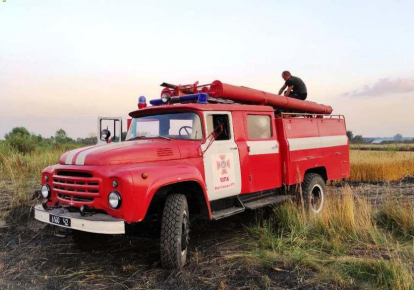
(263, 152)
(111, 124)
(221, 160)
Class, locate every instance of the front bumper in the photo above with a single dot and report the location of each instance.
(97, 223)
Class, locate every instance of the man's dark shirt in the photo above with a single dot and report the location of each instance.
(298, 85)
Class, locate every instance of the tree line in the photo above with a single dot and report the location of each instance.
(398, 138)
(20, 139)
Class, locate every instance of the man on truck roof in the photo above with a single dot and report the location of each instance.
(296, 88)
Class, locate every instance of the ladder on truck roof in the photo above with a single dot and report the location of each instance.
(284, 115)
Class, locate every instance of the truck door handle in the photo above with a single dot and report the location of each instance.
(234, 148)
(338, 153)
(275, 147)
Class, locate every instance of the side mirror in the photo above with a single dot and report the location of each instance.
(108, 136)
(105, 134)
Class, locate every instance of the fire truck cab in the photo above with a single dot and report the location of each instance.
(197, 152)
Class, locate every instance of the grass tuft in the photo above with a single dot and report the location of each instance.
(397, 216)
(343, 245)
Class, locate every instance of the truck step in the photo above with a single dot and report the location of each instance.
(227, 212)
(266, 201)
(246, 198)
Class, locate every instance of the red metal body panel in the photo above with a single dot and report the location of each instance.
(312, 133)
(336, 154)
(162, 174)
(264, 169)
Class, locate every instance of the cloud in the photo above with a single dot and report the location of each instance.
(383, 87)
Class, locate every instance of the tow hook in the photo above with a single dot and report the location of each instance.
(84, 209)
(46, 207)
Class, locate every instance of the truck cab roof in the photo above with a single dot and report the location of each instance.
(200, 107)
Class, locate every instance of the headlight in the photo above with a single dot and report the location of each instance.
(45, 191)
(114, 184)
(114, 199)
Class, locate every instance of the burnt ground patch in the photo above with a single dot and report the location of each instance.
(32, 256)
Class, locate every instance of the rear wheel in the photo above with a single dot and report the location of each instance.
(175, 229)
(313, 191)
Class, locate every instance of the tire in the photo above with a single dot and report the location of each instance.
(89, 241)
(313, 192)
(175, 229)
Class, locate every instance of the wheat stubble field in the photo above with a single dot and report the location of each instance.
(363, 240)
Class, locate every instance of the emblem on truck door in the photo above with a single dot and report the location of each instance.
(223, 164)
(224, 176)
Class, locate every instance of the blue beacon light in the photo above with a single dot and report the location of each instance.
(142, 102)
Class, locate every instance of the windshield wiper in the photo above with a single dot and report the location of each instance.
(154, 136)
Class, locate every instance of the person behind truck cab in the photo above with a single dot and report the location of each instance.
(296, 88)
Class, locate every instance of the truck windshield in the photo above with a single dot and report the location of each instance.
(185, 126)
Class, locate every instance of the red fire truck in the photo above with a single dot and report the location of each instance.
(211, 150)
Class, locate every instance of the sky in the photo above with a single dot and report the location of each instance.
(64, 63)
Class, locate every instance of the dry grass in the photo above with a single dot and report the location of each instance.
(373, 166)
(349, 244)
(22, 170)
(398, 217)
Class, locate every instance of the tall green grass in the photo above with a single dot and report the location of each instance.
(23, 169)
(347, 244)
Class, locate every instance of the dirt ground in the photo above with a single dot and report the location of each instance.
(32, 256)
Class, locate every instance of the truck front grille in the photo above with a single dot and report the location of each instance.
(76, 188)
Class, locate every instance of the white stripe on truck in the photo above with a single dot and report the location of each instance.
(71, 154)
(80, 160)
(317, 142)
(263, 147)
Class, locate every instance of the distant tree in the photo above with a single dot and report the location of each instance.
(90, 140)
(20, 139)
(18, 131)
(398, 137)
(358, 139)
(61, 136)
(350, 135)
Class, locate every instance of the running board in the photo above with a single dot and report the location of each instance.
(229, 206)
(225, 207)
(266, 201)
(227, 212)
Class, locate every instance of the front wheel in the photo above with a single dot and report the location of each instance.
(175, 229)
(313, 190)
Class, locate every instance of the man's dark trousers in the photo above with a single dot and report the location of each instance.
(297, 95)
